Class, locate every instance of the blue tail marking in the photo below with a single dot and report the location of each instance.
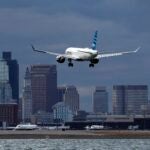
(93, 46)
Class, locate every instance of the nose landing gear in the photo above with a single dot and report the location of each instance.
(70, 64)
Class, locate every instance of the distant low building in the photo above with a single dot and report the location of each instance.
(80, 116)
(42, 118)
(62, 112)
(96, 117)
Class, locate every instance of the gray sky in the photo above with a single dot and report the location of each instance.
(56, 25)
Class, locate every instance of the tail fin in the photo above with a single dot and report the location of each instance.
(93, 46)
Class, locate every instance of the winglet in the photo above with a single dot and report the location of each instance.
(137, 49)
(33, 47)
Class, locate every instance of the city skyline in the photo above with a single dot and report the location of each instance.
(41, 93)
(90, 97)
(121, 24)
(58, 86)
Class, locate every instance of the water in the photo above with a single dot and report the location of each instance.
(75, 144)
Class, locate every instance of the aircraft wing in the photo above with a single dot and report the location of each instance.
(104, 55)
(43, 51)
(56, 54)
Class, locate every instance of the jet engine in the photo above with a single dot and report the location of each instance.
(60, 59)
(94, 61)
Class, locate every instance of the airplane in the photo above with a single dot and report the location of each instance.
(27, 126)
(83, 54)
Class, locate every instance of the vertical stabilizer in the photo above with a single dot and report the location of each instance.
(93, 46)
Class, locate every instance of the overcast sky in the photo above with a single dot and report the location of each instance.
(55, 25)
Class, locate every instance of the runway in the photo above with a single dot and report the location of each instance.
(74, 134)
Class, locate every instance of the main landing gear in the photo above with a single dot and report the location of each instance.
(70, 64)
(91, 65)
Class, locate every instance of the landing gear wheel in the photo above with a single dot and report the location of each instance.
(91, 65)
(70, 64)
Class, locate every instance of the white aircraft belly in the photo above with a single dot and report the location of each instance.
(84, 56)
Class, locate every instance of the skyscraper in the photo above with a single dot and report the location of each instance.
(60, 93)
(5, 88)
(8, 106)
(118, 100)
(13, 68)
(27, 97)
(5, 93)
(71, 98)
(129, 99)
(4, 71)
(100, 100)
(44, 87)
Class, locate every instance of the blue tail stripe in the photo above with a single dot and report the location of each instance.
(93, 46)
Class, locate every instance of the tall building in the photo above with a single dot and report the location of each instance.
(60, 93)
(4, 71)
(71, 98)
(118, 100)
(5, 93)
(129, 99)
(5, 88)
(13, 74)
(44, 87)
(9, 90)
(27, 97)
(100, 100)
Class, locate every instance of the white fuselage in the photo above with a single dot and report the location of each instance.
(81, 53)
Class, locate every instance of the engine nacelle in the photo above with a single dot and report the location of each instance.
(94, 61)
(60, 59)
